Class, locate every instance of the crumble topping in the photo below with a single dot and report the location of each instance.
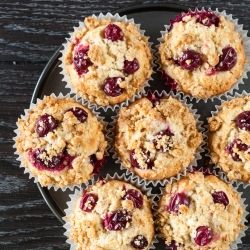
(206, 211)
(96, 230)
(229, 140)
(217, 63)
(70, 143)
(158, 141)
(127, 59)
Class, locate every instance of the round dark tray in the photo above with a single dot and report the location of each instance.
(152, 18)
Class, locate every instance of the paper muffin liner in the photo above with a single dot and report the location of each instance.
(78, 193)
(25, 115)
(84, 98)
(197, 156)
(235, 186)
(246, 42)
(208, 154)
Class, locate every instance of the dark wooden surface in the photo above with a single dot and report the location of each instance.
(30, 31)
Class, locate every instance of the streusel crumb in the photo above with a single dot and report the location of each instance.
(229, 138)
(107, 62)
(200, 212)
(60, 142)
(156, 141)
(122, 219)
(205, 57)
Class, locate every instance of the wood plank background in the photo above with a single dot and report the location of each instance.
(30, 32)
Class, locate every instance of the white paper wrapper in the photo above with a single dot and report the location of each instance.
(214, 113)
(199, 150)
(26, 113)
(78, 193)
(244, 205)
(114, 18)
(246, 42)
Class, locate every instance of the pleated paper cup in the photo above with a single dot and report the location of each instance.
(234, 185)
(78, 193)
(25, 116)
(246, 42)
(84, 97)
(197, 156)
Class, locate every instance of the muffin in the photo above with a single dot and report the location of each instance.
(107, 61)
(229, 139)
(156, 138)
(202, 54)
(120, 220)
(200, 212)
(60, 142)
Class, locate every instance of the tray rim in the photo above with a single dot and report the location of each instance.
(54, 59)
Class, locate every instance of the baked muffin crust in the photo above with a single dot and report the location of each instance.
(229, 138)
(204, 60)
(92, 230)
(156, 142)
(208, 205)
(62, 155)
(124, 58)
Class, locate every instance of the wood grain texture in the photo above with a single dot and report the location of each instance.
(30, 32)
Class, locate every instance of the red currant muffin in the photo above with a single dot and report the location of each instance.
(156, 138)
(107, 61)
(202, 54)
(61, 143)
(200, 212)
(229, 139)
(120, 220)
